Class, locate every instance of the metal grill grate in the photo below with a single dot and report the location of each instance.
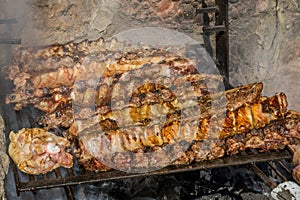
(69, 177)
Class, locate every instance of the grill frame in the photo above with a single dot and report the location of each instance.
(90, 177)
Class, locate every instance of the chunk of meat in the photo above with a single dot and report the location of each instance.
(36, 151)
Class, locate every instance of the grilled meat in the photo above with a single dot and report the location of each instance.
(296, 174)
(166, 68)
(47, 104)
(91, 65)
(293, 126)
(234, 98)
(148, 94)
(105, 94)
(273, 136)
(142, 108)
(296, 161)
(36, 151)
(102, 144)
(63, 117)
(23, 96)
(276, 135)
(32, 60)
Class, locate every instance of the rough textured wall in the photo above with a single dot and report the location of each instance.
(43, 22)
(46, 22)
(264, 35)
(265, 46)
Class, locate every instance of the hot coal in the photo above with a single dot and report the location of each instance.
(221, 183)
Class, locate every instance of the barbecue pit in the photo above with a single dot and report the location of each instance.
(69, 178)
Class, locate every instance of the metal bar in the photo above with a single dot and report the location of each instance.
(273, 166)
(70, 172)
(17, 179)
(69, 193)
(210, 9)
(289, 171)
(68, 190)
(218, 28)
(10, 41)
(206, 34)
(33, 178)
(8, 21)
(263, 176)
(117, 175)
(222, 40)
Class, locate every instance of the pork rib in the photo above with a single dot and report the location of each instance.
(234, 98)
(131, 138)
(92, 65)
(276, 135)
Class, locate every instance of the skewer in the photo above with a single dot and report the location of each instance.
(8, 21)
(10, 41)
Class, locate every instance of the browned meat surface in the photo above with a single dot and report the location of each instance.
(131, 135)
(234, 98)
(134, 107)
(273, 136)
(206, 147)
(104, 67)
(63, 117)
(293, 125)
(36, 151)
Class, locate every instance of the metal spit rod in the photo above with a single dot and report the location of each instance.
(9, 40)
(8, 21)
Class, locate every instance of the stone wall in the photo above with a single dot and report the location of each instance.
(265, 46)
(43, 22)
(264, 35)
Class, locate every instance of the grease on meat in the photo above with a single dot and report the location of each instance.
(36, 151)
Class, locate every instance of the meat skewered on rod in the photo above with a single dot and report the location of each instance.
(130, 138)
(234, 98)
(46, 99)
(274, 136)
(31, 86)
(107, 59)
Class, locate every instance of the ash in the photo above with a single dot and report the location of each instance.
(222, 183)
(226, 183)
